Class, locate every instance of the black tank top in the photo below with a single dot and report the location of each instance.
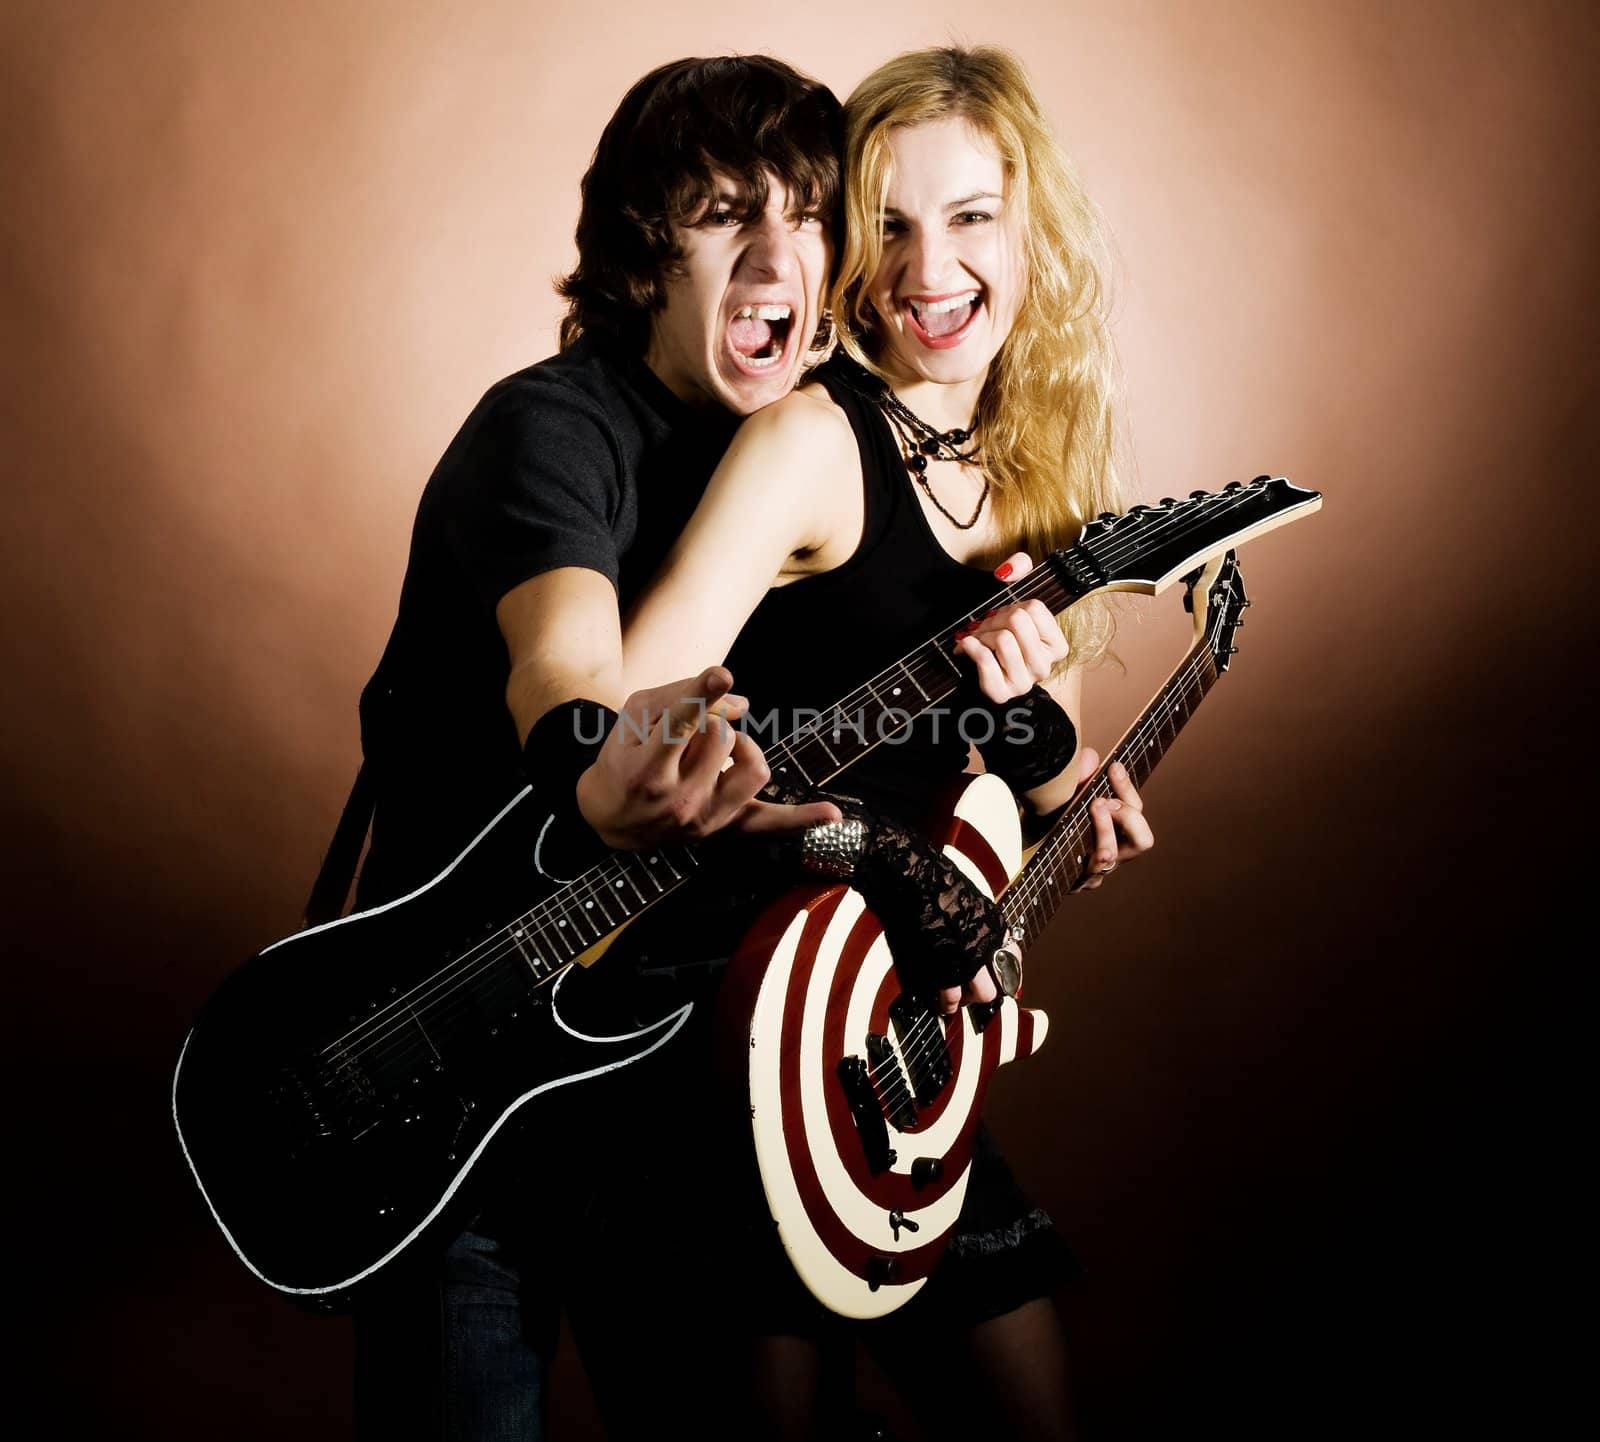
(810, 643)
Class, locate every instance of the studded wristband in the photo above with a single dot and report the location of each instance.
(834, 848)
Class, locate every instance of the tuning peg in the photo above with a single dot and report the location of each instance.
(1260, 480)
(1138, 510)
(1198, 495)
(1168, 501)
(1107, 516)
(1234, 486)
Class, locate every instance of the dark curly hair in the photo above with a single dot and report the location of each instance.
(746, 117)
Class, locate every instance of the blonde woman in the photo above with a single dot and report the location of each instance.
(968, 424)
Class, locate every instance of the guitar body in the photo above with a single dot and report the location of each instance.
(338, 1089)
(863, 1102)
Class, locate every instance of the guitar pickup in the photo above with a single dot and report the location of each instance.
(889, 1077)
(922, 1044)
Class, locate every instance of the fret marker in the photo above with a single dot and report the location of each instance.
(561, 923)
(895, 692)
(619, 886)
(588, 906)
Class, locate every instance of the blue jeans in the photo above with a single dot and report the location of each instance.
(460, 1354)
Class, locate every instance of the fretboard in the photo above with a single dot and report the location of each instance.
(1060, 861)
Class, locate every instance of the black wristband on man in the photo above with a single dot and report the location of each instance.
(562, 744)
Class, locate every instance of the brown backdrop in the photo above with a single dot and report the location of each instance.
(259, 260)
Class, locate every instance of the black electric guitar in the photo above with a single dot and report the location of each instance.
(337, 1091)
(863, 1099)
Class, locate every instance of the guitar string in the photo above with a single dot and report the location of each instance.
(923, 1036)
(588, 888)
(400, 1027)
(434, 1003)
(921, 1040)
(560, 900)
(440, 1018)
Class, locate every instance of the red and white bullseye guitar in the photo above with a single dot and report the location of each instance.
(863, 1099)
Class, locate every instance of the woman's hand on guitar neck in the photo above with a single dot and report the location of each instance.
(1014, 647)
(1120, 829)
(675, 769)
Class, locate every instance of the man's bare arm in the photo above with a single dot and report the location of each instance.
(564, 641)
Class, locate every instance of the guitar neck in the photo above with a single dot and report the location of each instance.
(1144, 551)
(835, 739)
(1061, 859)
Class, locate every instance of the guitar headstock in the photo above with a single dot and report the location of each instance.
(1216, 596)
(1150, 547)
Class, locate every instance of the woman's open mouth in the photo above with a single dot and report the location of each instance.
(940, 322)
(758, 337)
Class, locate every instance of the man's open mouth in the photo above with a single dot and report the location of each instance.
(758, 335)
(942, 322)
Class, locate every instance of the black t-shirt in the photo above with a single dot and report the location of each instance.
(585, 459)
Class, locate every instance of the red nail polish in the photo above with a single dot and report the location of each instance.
(1003, 572)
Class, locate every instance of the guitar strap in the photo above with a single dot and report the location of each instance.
(331, 889)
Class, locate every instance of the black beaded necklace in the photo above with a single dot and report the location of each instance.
(919, 442)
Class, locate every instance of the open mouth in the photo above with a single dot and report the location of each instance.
(940, 322)
(758, 336)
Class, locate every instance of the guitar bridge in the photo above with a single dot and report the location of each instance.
(863, 1098)
(313, 1108)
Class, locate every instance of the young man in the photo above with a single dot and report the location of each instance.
(704, 242)
(705, 239)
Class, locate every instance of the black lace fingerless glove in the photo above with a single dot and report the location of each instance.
(940, 927)
(938, 924)
(1031, 741)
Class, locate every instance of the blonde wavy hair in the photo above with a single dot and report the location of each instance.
(1050, 412)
